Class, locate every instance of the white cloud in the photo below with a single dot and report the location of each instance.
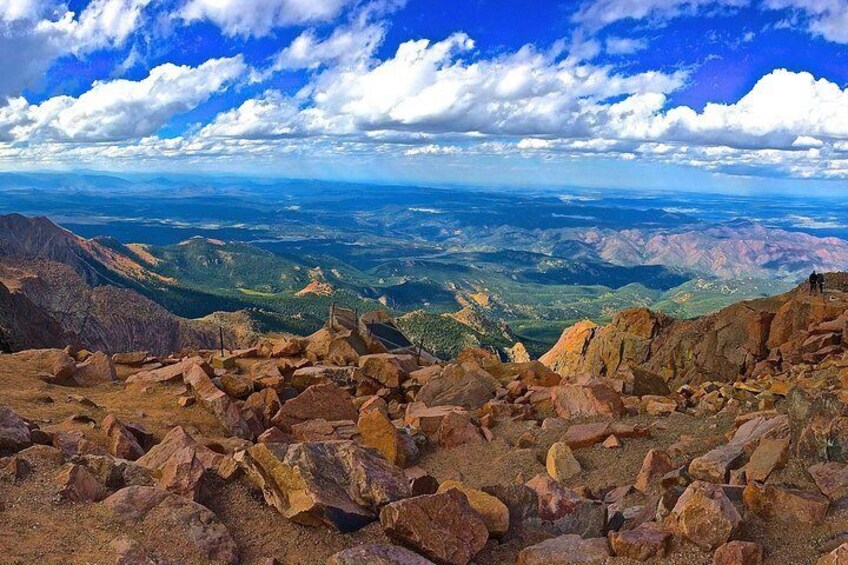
(119, 109)
(259, 17)
(348, 45)
(624, 45)
(596, 14)
(826, 18)
(33, 34)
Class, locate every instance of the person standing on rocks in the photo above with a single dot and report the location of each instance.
(820, 281)
(814, 279)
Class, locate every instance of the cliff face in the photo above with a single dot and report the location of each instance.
(744, 340)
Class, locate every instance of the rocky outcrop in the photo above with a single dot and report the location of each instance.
(743, 340)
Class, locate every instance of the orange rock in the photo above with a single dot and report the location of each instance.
(656, 464)
(378, 432)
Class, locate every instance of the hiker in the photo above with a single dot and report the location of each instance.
(820, 281)
(814, 280)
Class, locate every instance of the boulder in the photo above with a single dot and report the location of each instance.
(321, 401)
(586, 401)
(831, 478)
(787, 505)
(122, 443)
(738, 553)
(587, 435)
(566, 512)
(388, 369)
(569, 549)
(56, 362)
(336, 483)
(425, 419)
(264, 405)
(176, 440)
(560, 462)
(97, 369)
(183, 474)
(76, 484)
(640, 382)
(494, 513)
(443, 526)
(705, 516)
(14, 432)
(168, 373)
(13, 469)
(377, 554)
(457, 429)
(130, 358)
(461, 384)
(645, 542)
(219, 404)
(656, 464)
(158, 508)
(378, 432)
(237, 386)
(715, 465)
(771, 454)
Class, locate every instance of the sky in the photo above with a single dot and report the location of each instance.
(674, 94)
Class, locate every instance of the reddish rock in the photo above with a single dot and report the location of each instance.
(611, 442)
(14, 432)
(421, 482)
(738, 553)
(168, 373)
(160, 509)
(428, 420)
(705, 516)
(771, 454)
(560, 462)
(461, 384)
(237, 386)
(183, 474)
(586, 401)
(176, 440)
(374, 403)
(377, 554)
(645, 542)
(13, 469)
(322, 401)
(122, 443)
(494, 513)
(442, 527)
(587, 435)
(98, 369)
(264, 404)
(656, 464)
(569, 549)
(337, 483)
(568, 512)
(78, 485)
(831, 478)
(130, 358)
(388, 369)
(322, 430)
(219, 404)
(457, 429)
(378, 432)
(715, 465)
(788, 505)
(273, 435)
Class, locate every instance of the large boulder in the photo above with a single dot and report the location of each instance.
(705, 515)
(97, 369)
(494, 513)
(787, 505)
(586, 401)
(380, 433)
(176, 440)
(76, 484)
(122, 443)
(219, 404)
(442, 526)
(178, 516)
(462, 384)
(564, 511)
(14, 432)
(337, 483)
(561, 463)
(321, 401)
(388, 369)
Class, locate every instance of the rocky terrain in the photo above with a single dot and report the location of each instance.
(722, 440)
(57, 288)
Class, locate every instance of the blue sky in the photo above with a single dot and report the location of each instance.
(678, 94)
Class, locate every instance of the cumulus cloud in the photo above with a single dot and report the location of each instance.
(259, 17)
(119, 109)
(34, 33)
(625, 45)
